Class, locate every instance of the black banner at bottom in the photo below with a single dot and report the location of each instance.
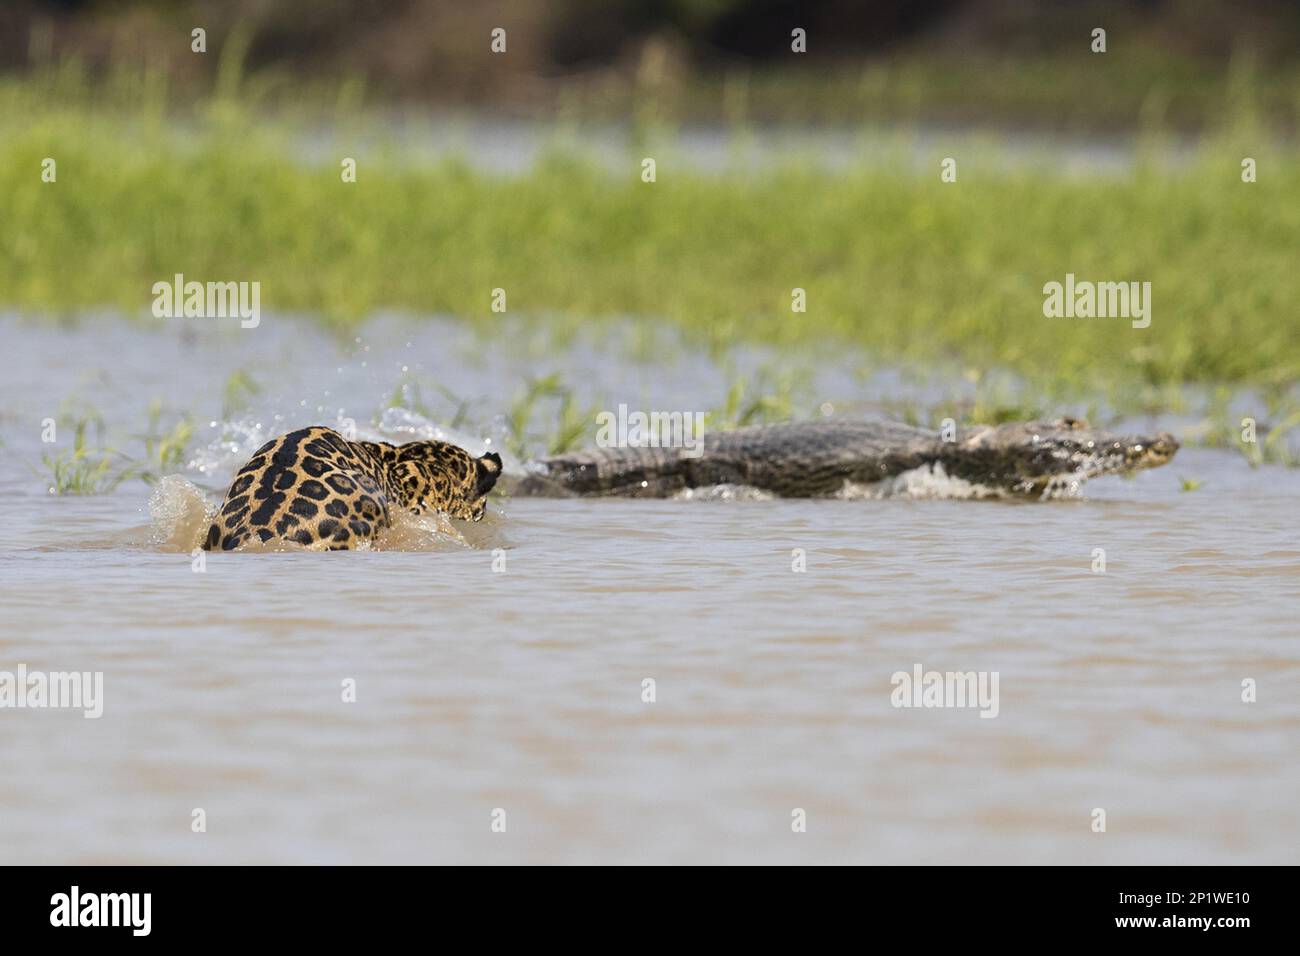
(1225, 905)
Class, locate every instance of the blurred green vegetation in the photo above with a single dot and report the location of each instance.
(895, 263)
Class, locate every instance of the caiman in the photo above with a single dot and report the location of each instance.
(832, 457)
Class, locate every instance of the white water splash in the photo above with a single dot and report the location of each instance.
(926, 482)
(724, 492)
(933, 482)
(235, 443)
(179, 514)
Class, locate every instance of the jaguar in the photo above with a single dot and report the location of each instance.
(319, 490)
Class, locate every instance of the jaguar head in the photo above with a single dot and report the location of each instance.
(436, 476)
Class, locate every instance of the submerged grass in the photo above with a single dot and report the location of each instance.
(895, 263)
(85, 469)
(94, 467)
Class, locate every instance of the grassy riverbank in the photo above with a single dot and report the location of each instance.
(894, 262)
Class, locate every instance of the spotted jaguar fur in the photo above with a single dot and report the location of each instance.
(317, 489)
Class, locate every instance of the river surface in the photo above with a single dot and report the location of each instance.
(499, 671)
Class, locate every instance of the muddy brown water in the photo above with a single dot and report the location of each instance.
(501, 666)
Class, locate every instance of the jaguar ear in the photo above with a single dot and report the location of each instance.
(488, 470)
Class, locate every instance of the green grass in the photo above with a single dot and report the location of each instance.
(94, 467)
(570, 427)
(897, 265)
(84, 469)
(164, 451)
